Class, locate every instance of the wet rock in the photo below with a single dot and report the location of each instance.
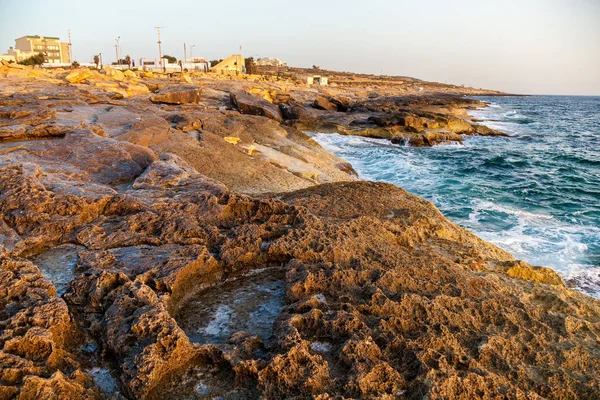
(248, 303)
(177, 95)
(483, 130)
(427, 139)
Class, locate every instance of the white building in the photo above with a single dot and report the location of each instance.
(270, 62)
(317, 80)
(194, 64)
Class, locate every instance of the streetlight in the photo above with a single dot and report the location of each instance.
(191, 49)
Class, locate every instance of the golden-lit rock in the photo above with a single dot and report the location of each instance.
(79, 75)
(527, 272)
(231, 139)
(129, 73)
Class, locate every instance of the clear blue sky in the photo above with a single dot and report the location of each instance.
(524, 46)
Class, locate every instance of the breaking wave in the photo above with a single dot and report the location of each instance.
(536, 194)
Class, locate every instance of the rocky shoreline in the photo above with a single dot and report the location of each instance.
(183, 237)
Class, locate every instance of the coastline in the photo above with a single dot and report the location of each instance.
(141, 199)
(466, 183)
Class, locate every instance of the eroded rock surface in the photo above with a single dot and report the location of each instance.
(163, 281)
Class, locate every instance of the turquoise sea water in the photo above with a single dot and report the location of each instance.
(535, 194)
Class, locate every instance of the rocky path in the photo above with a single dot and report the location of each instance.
(158, 250)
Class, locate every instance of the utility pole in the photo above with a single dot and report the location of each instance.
(159, 47)
(70, 48)
(117, 50)
(184, 53)
(191, 52)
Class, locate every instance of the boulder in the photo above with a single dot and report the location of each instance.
(79, 75)
(177, 95)
(323, 103)
(483, 130)
(248, 104)
(116, 74)
(293, 110)
(281, 98)
(459, 126)
(417, 124)
(341, 102)
(429, 139)
(184, 122)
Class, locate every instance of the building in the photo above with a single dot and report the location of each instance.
(269, 62)
(56, 52)
(316, 80)
(234, 64)
(197, 64)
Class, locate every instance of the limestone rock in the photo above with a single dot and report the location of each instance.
(38, 338)
(293, 110)
(129, 74)
(485, 131)
(522, 270)
(79, 75)
(249, 104)
(177, 95)
(177, 285)
(343, 103)
(323, 103)
(231, 139)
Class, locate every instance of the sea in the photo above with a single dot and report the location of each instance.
(535, 193)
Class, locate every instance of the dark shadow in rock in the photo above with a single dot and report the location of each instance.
(248, 303)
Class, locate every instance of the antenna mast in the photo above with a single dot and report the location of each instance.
(70, 48)
(159, 47)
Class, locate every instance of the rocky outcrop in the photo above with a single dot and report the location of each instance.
(323, 103)
(366, 313)
(178, 94)
(252, 105)
(39, 341)
(175, 285)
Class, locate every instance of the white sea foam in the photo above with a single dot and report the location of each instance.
(538, 238)
(520, 212)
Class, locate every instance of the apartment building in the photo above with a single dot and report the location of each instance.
(56, 52)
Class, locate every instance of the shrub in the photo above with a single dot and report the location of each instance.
(36, 59)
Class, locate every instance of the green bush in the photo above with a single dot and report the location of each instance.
(36, 59)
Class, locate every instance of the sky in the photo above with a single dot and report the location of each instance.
(517, 46)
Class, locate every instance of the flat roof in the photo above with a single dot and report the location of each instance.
(38, 37)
